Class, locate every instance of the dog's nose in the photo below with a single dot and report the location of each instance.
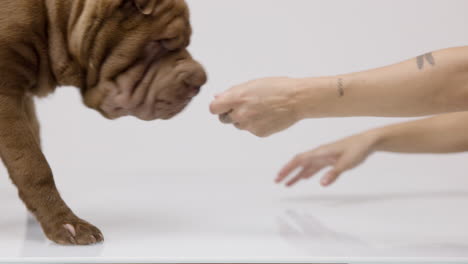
(195, 81)
(198, 77)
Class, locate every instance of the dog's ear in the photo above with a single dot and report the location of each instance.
(85, 12)
(146, 6)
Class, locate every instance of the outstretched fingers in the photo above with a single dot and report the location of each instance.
(310, 163)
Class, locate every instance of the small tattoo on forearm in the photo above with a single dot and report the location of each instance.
(341, 91)
(421, 60)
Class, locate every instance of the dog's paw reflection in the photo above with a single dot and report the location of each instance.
(308, 233)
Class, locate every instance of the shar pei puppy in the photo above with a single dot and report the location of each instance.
(127, 57)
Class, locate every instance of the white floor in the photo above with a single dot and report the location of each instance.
(218, 216)
(395, 209)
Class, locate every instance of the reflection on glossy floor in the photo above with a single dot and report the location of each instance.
(203, 217)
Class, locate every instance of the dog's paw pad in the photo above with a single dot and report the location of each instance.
(75, 233)
(70, 229)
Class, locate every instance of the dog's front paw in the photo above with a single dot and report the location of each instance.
(74, 232)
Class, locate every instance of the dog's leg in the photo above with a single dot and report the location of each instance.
(30, 172)
(30, 110)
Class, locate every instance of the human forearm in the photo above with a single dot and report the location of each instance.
(446, 133)
(430, 84)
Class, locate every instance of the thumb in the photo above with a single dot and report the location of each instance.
(222, 104)
(343, 164)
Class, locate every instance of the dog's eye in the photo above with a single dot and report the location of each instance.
(175, 43)
(177, 34)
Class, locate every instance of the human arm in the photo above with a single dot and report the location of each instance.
(446, 133)
(433, 83)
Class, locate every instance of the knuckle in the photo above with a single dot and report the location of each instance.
(298, 159)
(240, 126)
(257, 133)
(263, 134)
(302, 157)
(338, 170)
(237, 116)
(322, 150)
(243, 116)
(242, 95)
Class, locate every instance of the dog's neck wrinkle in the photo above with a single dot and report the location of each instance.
(65, 69)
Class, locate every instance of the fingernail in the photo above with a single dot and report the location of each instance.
(325, 181)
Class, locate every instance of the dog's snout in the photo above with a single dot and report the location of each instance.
(195, 80)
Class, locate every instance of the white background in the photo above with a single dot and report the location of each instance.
(239, 40)
(192, 189)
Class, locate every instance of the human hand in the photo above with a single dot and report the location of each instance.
(342, 156)
(262, 107)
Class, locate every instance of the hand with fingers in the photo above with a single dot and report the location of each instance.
(262, 107)
(342, 156)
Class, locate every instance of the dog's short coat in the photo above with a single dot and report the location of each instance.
(127, 57)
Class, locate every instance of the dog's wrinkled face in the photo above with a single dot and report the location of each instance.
(134, 56)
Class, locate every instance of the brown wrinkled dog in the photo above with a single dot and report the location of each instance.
(128, 57)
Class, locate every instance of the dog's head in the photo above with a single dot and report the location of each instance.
(134, 56)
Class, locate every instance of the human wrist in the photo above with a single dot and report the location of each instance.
(315, 97)
(377, 138)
